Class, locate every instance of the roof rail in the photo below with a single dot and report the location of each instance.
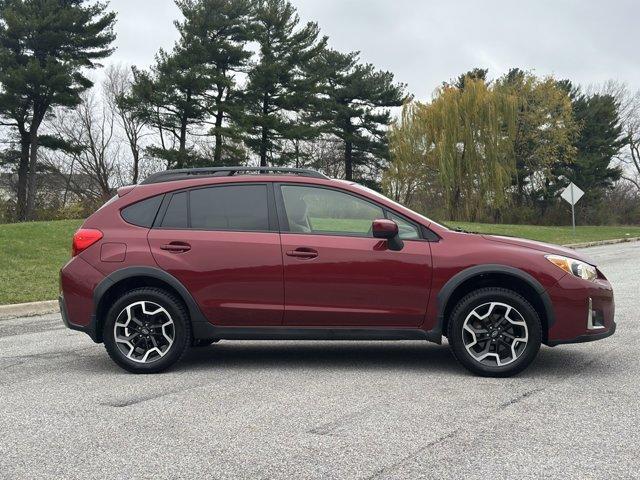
(186, 173)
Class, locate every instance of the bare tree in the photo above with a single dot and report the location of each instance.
(91, 159)
(116, 90)
(632, 159)
(629, 108)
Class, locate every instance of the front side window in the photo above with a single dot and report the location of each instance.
(234, 208)
(407, 231)
(324, 211)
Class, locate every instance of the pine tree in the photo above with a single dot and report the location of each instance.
(601, 138)
(171, 98)
(461, 81)
(216, 33)
(45, 48)
(353, 104)
(279, 85)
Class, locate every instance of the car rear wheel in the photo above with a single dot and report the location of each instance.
(494, 332)
(147, 330)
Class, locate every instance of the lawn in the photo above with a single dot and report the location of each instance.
(558, 235)
(31, 254)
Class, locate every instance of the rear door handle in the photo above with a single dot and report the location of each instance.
(176, 247)
(303, 253)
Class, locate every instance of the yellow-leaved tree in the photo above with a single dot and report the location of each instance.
(463, 139)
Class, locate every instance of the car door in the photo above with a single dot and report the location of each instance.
(336, 274)
(222, 243)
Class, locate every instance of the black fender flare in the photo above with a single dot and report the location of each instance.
(458, 279)
(195, 314)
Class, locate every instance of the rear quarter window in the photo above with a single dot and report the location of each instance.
(142, 213)
(176, 214)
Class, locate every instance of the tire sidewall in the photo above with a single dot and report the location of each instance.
(181, 328)
(478, 298)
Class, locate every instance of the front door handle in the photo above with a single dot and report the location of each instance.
(303, 253)
(176, 247)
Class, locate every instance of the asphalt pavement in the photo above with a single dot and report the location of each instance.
(298, 410)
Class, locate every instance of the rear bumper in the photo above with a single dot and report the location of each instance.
(78, 280)
(89, 329)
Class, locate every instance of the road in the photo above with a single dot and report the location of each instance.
(396, 410)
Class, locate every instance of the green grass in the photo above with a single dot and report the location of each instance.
(354, 225)
(31, 254)
(558, 235)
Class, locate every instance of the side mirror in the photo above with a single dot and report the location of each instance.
(388, 230)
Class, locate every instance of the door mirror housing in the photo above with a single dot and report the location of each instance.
(384, 228)
(388, 230)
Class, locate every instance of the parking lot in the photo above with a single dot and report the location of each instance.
(371, 410)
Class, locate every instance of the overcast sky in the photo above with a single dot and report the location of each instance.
(425, 42)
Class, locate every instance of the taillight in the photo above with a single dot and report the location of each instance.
(84, 238)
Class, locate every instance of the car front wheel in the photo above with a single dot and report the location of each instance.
(147, 330)
(494, 332)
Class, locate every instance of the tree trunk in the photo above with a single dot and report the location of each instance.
(348, 160)
(454, 209)
(136, 165)
(184, 123)
(23, 173)
(263, 148)
(265, 132)
(217, 153)
(33, 172)
(182, 153)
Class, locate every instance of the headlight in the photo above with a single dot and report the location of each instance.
(574, 267)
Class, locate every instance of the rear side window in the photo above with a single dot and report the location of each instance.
(237, 207)
(142, 213)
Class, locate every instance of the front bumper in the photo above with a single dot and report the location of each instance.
(584, 311)
(590, 337)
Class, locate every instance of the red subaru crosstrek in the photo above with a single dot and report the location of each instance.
(191, 257)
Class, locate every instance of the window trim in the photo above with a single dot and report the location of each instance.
(272, 219)
(284, 222)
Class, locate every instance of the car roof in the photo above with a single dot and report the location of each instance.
(187, 173)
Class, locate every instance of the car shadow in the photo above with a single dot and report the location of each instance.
(320, 355)
(556, 362)
(567, 361)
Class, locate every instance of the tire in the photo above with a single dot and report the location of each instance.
(155, 312)
(499, 325)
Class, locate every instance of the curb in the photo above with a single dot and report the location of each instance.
(28, 309)
(42, 308)
(602, 242)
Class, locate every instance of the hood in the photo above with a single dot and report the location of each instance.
(540, 246)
